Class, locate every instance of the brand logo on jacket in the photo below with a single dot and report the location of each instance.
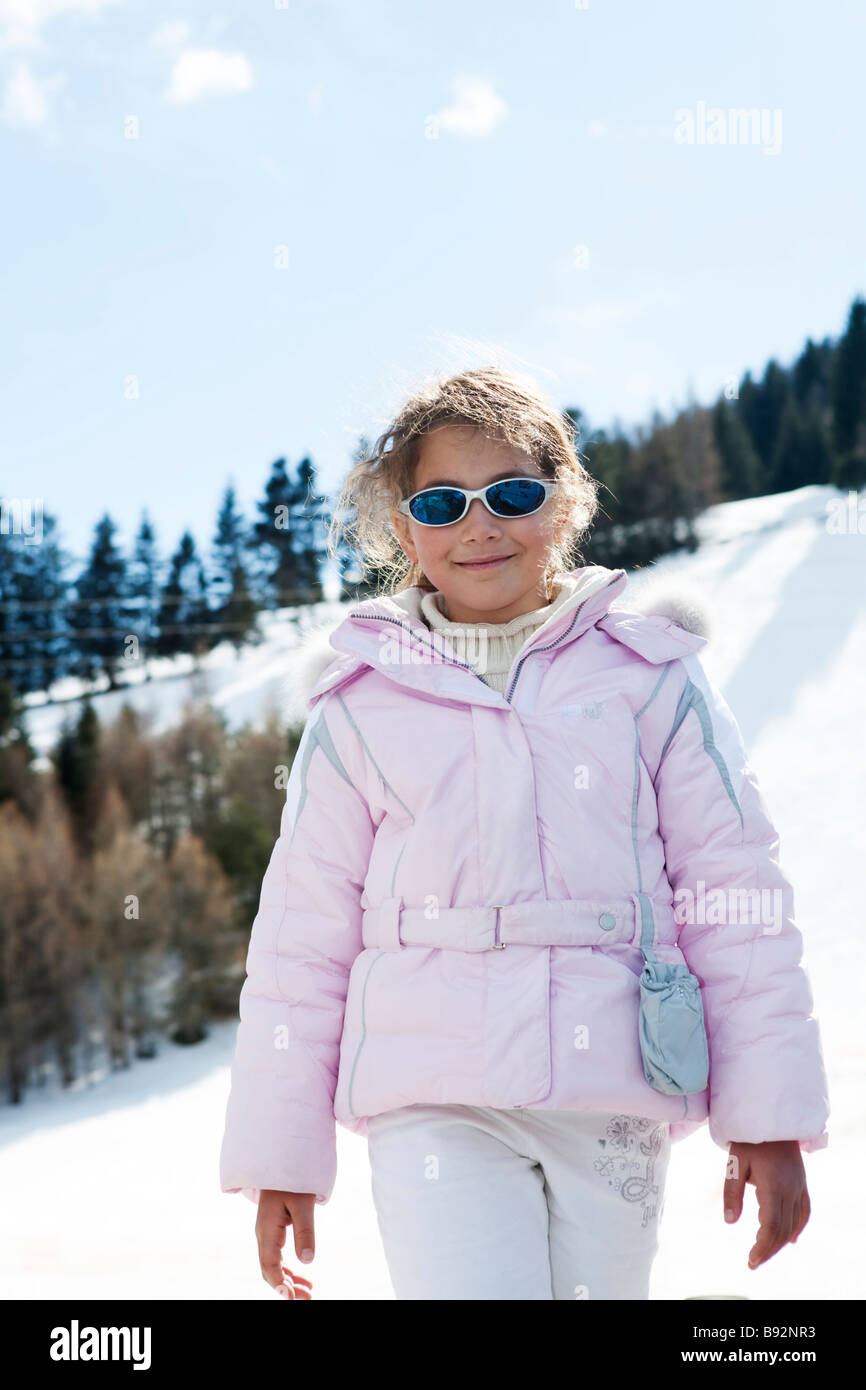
(590, 709)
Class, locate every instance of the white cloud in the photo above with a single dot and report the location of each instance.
(22, 21)
(172, 33)
(477, 110)
(24, 100)
(202, 72)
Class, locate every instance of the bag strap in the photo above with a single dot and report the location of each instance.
(648, 926)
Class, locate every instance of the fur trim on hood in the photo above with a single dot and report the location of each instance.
(650, 596)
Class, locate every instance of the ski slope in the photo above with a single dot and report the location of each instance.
(113, 1191)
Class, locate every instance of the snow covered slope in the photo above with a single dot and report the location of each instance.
(132, 1163)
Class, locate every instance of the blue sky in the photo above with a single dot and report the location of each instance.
(242, 231)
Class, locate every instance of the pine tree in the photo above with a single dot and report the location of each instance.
(17, 780)
(817, 445)
(811, 378)
(7, 709)
(760, 408)
(609, 460)
(849, 399)
(184, 617)
(140, 603)
(802, 455)
(741, 471)
(234, 612)
(32, 592)
(77, 765)
(273, 539)
(242, 835)
(95, 619)
(309, 519)
(9, 560)
(697, 468)
(41, 589)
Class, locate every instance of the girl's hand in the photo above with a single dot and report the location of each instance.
(295, 1286)
(276, 1211)
(776, 1170)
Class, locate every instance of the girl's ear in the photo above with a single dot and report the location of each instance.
(401, 530)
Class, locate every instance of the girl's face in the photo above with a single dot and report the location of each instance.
(460, 456)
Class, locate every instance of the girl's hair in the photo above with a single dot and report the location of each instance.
(499, 405)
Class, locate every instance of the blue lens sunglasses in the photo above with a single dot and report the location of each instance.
(441, 506)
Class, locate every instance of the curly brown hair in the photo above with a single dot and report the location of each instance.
(498, 404)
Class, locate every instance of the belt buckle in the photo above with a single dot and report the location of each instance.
(497, 946)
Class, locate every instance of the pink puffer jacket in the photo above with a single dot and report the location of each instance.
(451, 911)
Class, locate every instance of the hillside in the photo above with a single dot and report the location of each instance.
(130, 1165)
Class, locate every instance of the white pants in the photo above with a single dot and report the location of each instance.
(479, 1203)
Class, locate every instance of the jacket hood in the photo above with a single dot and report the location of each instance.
(661, 619)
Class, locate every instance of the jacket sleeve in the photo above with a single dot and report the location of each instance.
(767, 1079)
(280, 1131)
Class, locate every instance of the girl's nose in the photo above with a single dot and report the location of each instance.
(478, 517)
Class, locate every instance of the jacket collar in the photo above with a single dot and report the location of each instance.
(578, 583)
(386, 632)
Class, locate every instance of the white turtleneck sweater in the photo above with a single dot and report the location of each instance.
(490, 648)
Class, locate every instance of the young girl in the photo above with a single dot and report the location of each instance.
(524, 925)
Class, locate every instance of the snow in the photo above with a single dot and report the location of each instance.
(242, 686)
(112, 1191)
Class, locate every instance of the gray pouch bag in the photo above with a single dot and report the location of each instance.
(673, 1038)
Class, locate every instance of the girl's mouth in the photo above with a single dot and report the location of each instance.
(490, 564)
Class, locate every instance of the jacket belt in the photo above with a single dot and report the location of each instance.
(559, 922)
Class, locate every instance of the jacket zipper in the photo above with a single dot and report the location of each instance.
(404, 627)
(498, 944)
(556, 641)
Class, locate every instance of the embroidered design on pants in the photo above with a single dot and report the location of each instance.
(621, 1166)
